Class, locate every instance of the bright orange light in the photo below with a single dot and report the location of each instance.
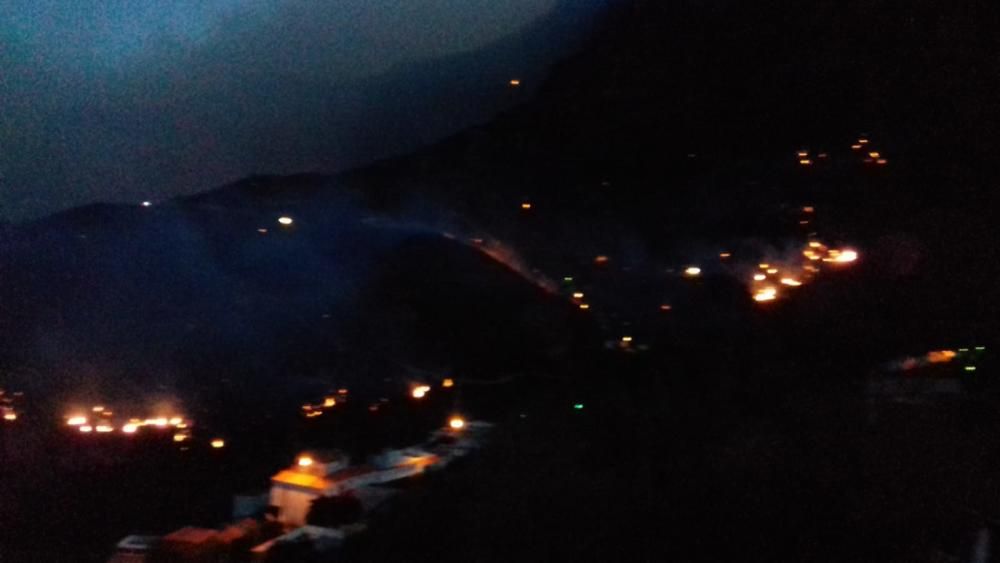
(874, 154)
(845, 256)
(692, 271)
(808, 209)
(104, 428)
(515, 82)
(130, 428)
(578, 295)
(329, 402)
(724, 255)
(174, 421)
(10, 417)
(304, 461)
(766, 294)
(456, 423)
(791, 282)
(626, 339)
(218, 443)
(764, 266)
(759, 277)
(420, 391)
(285, 220)
(814, 244)
(526, 205)
(76, 420)
(86, 428)
(448, 382)
(940, 356)
(180, 437)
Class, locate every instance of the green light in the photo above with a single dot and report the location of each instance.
(568, 279)
(980, 348)
(578, 406)
(970, 368)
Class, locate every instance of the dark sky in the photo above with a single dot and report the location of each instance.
(126, 100)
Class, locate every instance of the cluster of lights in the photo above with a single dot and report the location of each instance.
(328, 402)
(871, 156)
(420, 391)
(103, 424)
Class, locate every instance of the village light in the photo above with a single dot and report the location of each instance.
(285, 220)
(420, 391)
(304, 461)
(76, 420)
(130, 428)
(846, 256)
(175, 421)
(515, 82)
(10, 417)
(578, 295)
(448, 382)
(98, 409)
(180, 437)
(104, 428)
(692, 271)
(86, 428)
(218, 443)
(329, 402)
(759, 277)
(456, 423)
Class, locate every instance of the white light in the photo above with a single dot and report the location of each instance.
(285, 220)
(692, 271)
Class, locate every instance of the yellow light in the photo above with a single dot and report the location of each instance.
(10, 417)
(175, 421)
(764, 266)
(814, 244)
(304, 461)
(86, 428)
(182, 425)
(584, 306)
(692, 271)
(526, 205)
(772, 270)
(805, 162)
(791, 281)
(420, 391)
(180, 437)
(76, 420)
(285, 220)
(856, 147)
(104, 428)
(97, 409)
(626, 339)
(724, 255)
(766, 294)
(515, 82)
(578, 295)
(329, 402)
(873, 154)
(456, 423)
(862, 141)
(759, 277)
(158, 422)
(130, 428)
(448, 382)
(218, 443)
(845, 256)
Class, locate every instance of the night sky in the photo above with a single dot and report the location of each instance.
(129, 100)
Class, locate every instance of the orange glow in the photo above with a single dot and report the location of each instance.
(692, 271)
(329, 402)
(448, 382)
(759, 277)
(862, 141)
(10, 417)
(578, 295)
(304, 461)
(874, 154)
(766, 294)
(802, 153)
(600, 259)
(881, 161)
(805, 162)
(665, 307)
(456, 423)
(940, 356)
(814, 244)
(584, 306)
(76, 420)
(856, 147)
(844, 256)
(808, 209)
(764, 266)
(86, 428)
(97, 409)
(175, 421)
(724, 255)
(341, 391)
(626, 339)
(420, 391)
(104, 428)
(526, 205)
(791, 282)
(772, 270)
(515, 82)
(130, 428)
(218, 443)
